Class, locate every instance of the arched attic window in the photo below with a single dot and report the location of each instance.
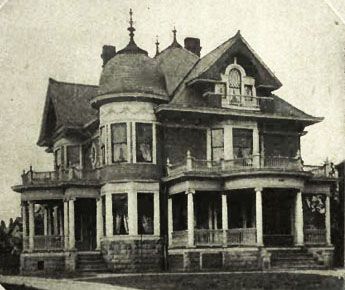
(235, 82)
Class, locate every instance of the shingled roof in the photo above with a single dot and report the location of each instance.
(68, 106)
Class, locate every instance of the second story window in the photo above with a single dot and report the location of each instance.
(73, 155)
(242, 143)
(217, 144)
(119, 142)
(102, 141)
(58, 158)
(235, 82)
(143, 142)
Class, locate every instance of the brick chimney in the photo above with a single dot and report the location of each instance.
(108, 53)
(193, 45)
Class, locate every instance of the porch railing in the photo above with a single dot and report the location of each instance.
(315, 236)
(206, 237)
(249, 163)
(34, 177)
(44, 243)
(241, 236)
(179, 239)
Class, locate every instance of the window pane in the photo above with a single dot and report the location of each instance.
(235, 78)
(120, 214)
(119, 142)
(217, 154)
(58, 158)
(73, 156)
(145, 213)
(217, 138)
(242, 142)
(144, 142)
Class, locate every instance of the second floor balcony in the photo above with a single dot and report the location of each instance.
(246, 164)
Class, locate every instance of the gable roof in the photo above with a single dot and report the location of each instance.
(70, 104)
(175, 62)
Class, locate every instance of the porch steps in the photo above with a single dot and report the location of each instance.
(91, 262)
(293, 259)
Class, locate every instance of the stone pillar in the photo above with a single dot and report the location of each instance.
(99, 223)
(328, 220)
(156, 214)
(132, 213)
(190, 217)
(109, 214)
(45, 221)
(55, 220)
(299, 238)
(65, 224)
(25, 230)
(71, 224)
(170, 220)
(258, 208)
(31, 225)
(225, 219)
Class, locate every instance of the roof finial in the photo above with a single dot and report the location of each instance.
(175, 43)
(174, 31)
(157, 45)
(131, 29)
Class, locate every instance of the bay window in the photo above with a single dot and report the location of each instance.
(119, 142)
(145, 213)
(120, 214)
(144, 142)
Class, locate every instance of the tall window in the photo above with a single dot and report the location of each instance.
(143, 142)
(102, 144)
(217, 144)
(58, 158)
(119, 142)
(120, 214)
(145, 213)
(179, 208)
(235, 82)
(242, 143)
(73, 155)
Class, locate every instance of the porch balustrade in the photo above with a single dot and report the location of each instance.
(239, 164)
(45, 243)
(315, 236)
(206, 237)
(34, 177)
(241, 236)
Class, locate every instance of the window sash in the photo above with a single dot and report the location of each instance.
(145, 213)
(217, 144)
(242, 142)
(144, 142)
(120, 214)
(119, 142)
(73, 155)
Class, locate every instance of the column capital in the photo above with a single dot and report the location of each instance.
(190, 191)
(258, 189)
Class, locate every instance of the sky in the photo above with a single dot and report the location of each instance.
(303, 42)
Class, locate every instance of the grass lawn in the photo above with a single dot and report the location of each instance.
(233, 281)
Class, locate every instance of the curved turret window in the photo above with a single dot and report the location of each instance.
(119, 142)
(235, 82)
(143, 142)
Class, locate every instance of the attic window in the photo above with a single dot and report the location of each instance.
(235, 82)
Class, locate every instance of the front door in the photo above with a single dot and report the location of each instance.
(277, 217)
(85, 224)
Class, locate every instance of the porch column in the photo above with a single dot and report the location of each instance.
(55, 220)
(328, 220)
(156, 214)
(45, 221)
(258, 208)
(31, 226)
(299, 219)
(65, 223)
(225, 219)
(71, 224)
(109, 214)
(25, 231)
(170, 220)
(190, 217)
(99, 222)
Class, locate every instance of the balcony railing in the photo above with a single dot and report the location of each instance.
(315, 236)
(208, 237)
(243, 101)
(44, 243)
(179, 239)
(250, 163)
(71, 174)
(241, 236)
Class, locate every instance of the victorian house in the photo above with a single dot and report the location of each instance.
(177, 162)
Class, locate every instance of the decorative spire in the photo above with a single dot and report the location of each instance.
(157, 46)
(131, 29)
(175, 43)
(131, 47)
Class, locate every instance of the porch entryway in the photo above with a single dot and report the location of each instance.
(85, 224)
(278, 217)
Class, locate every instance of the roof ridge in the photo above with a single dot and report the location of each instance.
(184, 49)
(70, 83)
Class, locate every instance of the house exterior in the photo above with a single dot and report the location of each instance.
(177, 161)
